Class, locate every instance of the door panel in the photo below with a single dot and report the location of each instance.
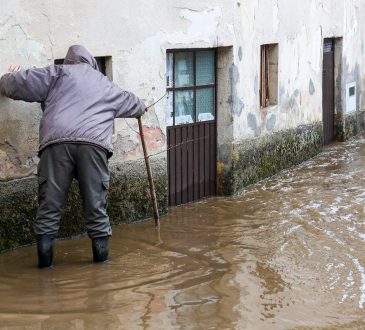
(328, 88)
(192, 159)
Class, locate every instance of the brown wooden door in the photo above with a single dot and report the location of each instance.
(328, 88)
(191, 162)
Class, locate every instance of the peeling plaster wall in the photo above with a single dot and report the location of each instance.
(299, 28)
(135, 34)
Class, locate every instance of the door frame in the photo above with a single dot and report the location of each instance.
(328, 90)
(191, 144)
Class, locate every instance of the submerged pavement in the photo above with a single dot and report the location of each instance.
(288, 253)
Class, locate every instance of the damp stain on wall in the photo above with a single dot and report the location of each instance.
(237, 103)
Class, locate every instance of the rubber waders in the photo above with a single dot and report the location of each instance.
(100, 247)
(45, 245)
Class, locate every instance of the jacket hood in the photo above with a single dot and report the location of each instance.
(79, 54)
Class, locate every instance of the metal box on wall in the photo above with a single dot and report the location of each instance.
(351, 97)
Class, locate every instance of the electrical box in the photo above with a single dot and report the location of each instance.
(351, 97)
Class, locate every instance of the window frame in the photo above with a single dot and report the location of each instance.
(265, 90)
(194, 87)
(104, 64)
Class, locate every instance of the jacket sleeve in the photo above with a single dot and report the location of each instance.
(30, 85)
(129, 105)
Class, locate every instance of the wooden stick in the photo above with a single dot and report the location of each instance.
(149, 173)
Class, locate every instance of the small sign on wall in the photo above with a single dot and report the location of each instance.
(351, 97)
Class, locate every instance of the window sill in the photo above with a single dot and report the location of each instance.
(270, 107)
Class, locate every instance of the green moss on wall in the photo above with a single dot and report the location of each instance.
(129, 200)
(18, 204)
(349, 125)
(353, 124)
(256, 159)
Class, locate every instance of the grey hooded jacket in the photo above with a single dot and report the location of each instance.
(79, 102)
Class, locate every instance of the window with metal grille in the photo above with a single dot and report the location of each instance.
(269, 75)
(191, 86)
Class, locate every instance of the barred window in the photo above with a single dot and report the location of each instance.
(191, 85)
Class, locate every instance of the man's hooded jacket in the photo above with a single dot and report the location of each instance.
(80, 103)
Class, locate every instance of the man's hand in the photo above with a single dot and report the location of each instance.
(14, 68)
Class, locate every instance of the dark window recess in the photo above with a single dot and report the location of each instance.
(101, 64)
(59, 61)
(191, 86)
(101, 60)
(328, 46)
(352, 91)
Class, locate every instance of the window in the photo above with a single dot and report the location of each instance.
(104, 64)
(269, 75)
(191, 85)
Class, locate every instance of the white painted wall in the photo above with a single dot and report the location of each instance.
(137, 33)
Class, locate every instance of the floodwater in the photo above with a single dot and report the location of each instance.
(289, 253)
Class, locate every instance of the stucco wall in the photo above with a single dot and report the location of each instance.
(299, 28)
(135, 34)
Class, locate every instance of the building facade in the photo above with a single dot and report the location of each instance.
(248, 88)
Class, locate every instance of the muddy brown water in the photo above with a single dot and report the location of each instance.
(289, 253)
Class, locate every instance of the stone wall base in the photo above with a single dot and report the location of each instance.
(129, 200)
(259, 158)
(350, 125)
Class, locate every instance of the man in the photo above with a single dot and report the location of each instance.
(79, 105)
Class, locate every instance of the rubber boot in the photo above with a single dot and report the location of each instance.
(45, 250)
(100, 247)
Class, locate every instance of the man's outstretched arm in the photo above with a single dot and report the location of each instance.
(30, 85)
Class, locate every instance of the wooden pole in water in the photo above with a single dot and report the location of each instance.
(149, 173)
